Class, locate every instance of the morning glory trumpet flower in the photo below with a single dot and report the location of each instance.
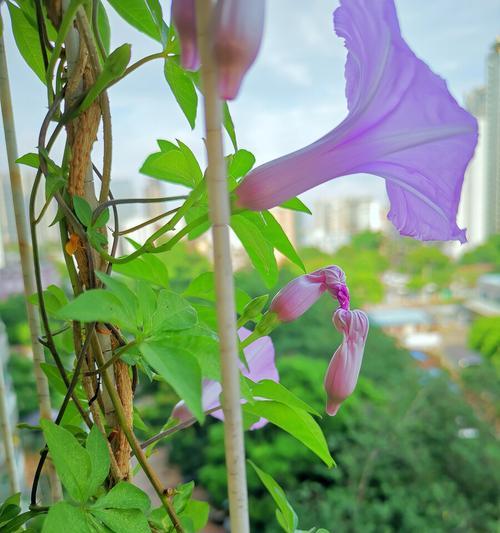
(402, 125)
(260, 358)
(298, 296)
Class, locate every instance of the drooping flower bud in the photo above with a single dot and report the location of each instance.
(239, 25)
(184, 17)
(343, 371)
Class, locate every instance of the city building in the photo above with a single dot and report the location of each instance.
(493, 137)
(486, 300)
(472, 213)
(336, 220)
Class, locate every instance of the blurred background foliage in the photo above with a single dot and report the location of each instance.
(416, 450)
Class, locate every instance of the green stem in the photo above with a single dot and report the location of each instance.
(64, 28)
(138, 64)
(134, 443)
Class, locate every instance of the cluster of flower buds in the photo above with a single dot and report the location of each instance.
(237, 33)
(298, 296)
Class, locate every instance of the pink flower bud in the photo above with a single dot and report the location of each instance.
(238, 33)
(295, 298)
(184, 17)
(343, 371)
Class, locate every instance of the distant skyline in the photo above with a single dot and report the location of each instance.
(293, 94)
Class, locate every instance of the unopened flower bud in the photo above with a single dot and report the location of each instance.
(343, 371)
(238, 33)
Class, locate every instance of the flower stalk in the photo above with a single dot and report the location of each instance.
(219, 209)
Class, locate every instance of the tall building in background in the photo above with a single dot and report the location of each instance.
(336, 220)
(473, 210)
(493, 137)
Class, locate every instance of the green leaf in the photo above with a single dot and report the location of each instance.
(99, 459)
(191, 215)
(197, 512)
(192, 163)
(124, 496)
(173, 313)
(114, 66)
(98, 305)
(289, 520)
(71, 460)
(126, 297)
(182, 496)
(274, 390)
(65, 517)
(203, 287)
(229, 125)
(147, 305)
(147, 267)
(122, 520)
(54, 298)
(102, 219)
(171, 165)
(296, 205)
(297, 422)
(13, 525)
(259, 250)
(165, 146)
(27, 40)
(138, 14)
(56, 382)
(241, 164)
(83, 210)
(180, 369)
(104, 27)
(278, 238)
(30, 160)
(203, 344)
(183, 89)
(10, 508)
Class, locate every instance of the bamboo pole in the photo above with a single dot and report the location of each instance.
(5, 427)
(220, 213)
(25, 252)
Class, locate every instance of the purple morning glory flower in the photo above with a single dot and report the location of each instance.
(403, 125)
(260, 358)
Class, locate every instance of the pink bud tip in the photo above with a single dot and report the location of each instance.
(184, 17)
(239, 26)
(343, 370)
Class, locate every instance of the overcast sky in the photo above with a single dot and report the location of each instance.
(293, 94)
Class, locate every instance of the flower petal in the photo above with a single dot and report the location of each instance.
(403, 125)
(296, 297)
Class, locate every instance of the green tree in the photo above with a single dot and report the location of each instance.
(489, 253)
